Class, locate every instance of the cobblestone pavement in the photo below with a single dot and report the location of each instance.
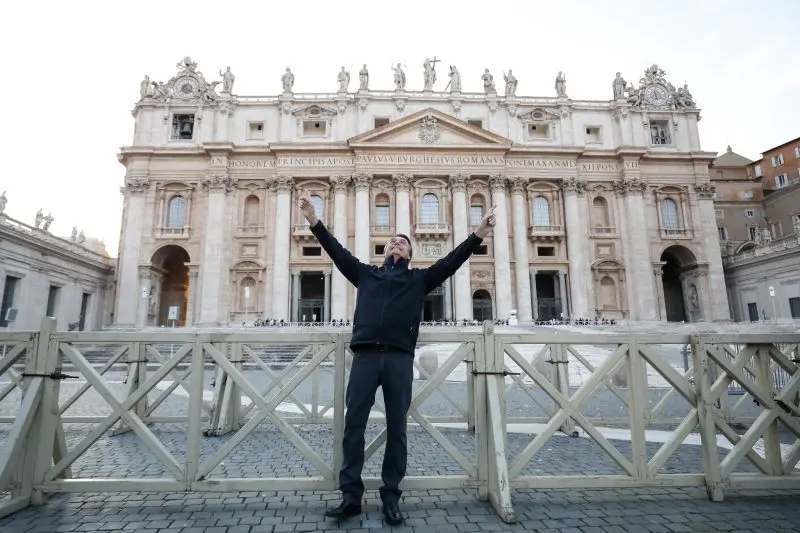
(433, 511)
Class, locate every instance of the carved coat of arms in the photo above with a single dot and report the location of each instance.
(429, 130)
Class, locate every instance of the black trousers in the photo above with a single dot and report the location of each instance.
(393, 371)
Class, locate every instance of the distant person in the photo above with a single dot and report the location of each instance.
(385, 329)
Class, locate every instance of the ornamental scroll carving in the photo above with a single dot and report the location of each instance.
(458, 182)
(135, 185)
(282, 184)
(339, 183)
(573, 185)
(220, 183)
(630, 186)
(518, 184)
(705, 190)
(497, 183)
(362, 181)
(402, 182)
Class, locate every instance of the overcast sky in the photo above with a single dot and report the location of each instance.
(72, 70)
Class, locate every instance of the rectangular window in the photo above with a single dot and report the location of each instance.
(9, 289)
(781, 181)
(538, 131)
(777, 160)
(659, 132)
(593, 135)
(183, 127)
(475, 122)
(482, 250)
(380, 121)
(52, 300)
(255, 130)
(380, 249)
(723, 234)
(794, 307)
(757, 170)
(475, 215)
(752, 231)
(315, 128)
(750, 213)
(546, 251)
(719, 213)
(746, 195)
(797, 151)
(382, 215)
(312, 251)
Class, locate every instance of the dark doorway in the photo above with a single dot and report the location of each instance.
(84, 309)
(311, 307)
(173, 299)
(752, 311)
(678, 260)
(433, 305)
(482, 305)
(548, 304)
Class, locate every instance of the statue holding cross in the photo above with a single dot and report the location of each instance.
(430, 72)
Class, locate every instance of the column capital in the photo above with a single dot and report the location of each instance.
(458, 182)
(573, 185)
(282, 184)
(518, 184)
(705, 190)
(220, 183)
(340, 183)
(136, 184)
(402, 182)
(497, 182)
(658, 267)
(631, 187)
(361, 181)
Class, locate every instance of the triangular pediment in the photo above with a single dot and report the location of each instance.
(430, 128)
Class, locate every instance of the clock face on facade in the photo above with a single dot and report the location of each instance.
(186, 87)
(655, 95)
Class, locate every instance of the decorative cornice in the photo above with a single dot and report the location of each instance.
(362, 181)
(402, 182)
(705, 190)
(136, 185)
(497, 182)
(458, 182)
(518, 184)
(340, 183)
(573, 185)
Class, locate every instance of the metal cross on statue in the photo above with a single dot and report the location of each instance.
(434, 61)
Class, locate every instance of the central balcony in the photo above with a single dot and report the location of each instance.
(546, 233)
(676, 233)
(174, 233)
(302, 232)
(432, 230)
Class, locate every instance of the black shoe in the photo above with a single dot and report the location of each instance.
(343, 511)
(392, 513)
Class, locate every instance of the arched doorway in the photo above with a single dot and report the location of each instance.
(169, 298)
(679, 261)
(482, 305)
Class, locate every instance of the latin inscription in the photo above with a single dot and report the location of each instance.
(431, 160)
(412, 159)
(251, 163)
(541, 163)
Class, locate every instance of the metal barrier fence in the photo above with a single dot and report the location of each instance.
(200, 402)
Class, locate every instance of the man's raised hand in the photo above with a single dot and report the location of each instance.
(307, 208)
(487, 224)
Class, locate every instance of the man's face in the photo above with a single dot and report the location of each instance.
(398, 247)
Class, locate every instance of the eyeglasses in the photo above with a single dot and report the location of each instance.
(398, 241)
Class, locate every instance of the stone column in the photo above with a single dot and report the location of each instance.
(217, 185)
(128, 287)
(448, 299)
(338, 297)
(562, 289)
(463, 292)
(402, 187)
(524, 310)
(362, 182)
(280, 270)
(577, 248)
(502, 267)
(534, 294)
(641, 266)
(149, 292)
(191, 297)
(658, 271)
(295, 296)
(718, 295)
(326, 308)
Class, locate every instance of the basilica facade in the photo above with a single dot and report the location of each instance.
(605, 207)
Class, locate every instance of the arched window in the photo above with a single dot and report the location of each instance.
(430, 208)
(248, 296)
(382, 211)
(319, 207)
(600, 212)
(176, 212)
(541, 211)
(669, 214)
(251, 211)
(476, 209)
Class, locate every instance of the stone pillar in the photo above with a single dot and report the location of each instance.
(191, 297)
(502, 267)
(326, 308)
(525, 313)
(280, 269)
(217, 185)
(718, 295)
(448, 299)
(402, 186)
(534, 294)
(658, 271)
(129, 293)
(562, 289)
(149, 292)
(337, 301)
(577, 248)
(362, 182)
(463, 292)
(641, 266)
(295, 296)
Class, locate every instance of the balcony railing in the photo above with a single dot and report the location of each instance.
(174, 233)
(432, 230)
(676, 233)
(545, 233)
(779, 245)
(251, 229)
(603, 231)
(382, 229)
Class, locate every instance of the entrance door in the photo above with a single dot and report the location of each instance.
(548, 305)
(312, 310)
(433, 305)
(482, 305)
(752, 311)
(311, 307)
(84, 308)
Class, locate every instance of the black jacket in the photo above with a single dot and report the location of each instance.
(390, 297)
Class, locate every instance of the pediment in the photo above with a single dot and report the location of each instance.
(314, 111)
(539, 114)
(430, 128)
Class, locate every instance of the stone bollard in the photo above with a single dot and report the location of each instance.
(429, 362)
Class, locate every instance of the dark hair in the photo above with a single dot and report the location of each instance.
(410, 251)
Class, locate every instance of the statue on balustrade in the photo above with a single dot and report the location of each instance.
(455, 80)
(363, 78)
(39, 217)
(344, 80)
(488, 82)
(3, 202)
(511, 84)
(619, 87)
(287, 80)
(399, 78)
(227, 80)
(561, 85)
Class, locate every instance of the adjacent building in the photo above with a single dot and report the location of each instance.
(605, 207)
(44, 275)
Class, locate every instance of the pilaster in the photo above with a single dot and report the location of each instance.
(282, 185)
(128, 288)
(524, 308)
(718, 294)
(402, 188)
(463, 293)
(502, 268)
(338, 288)
(362, 183)
(577, 247)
